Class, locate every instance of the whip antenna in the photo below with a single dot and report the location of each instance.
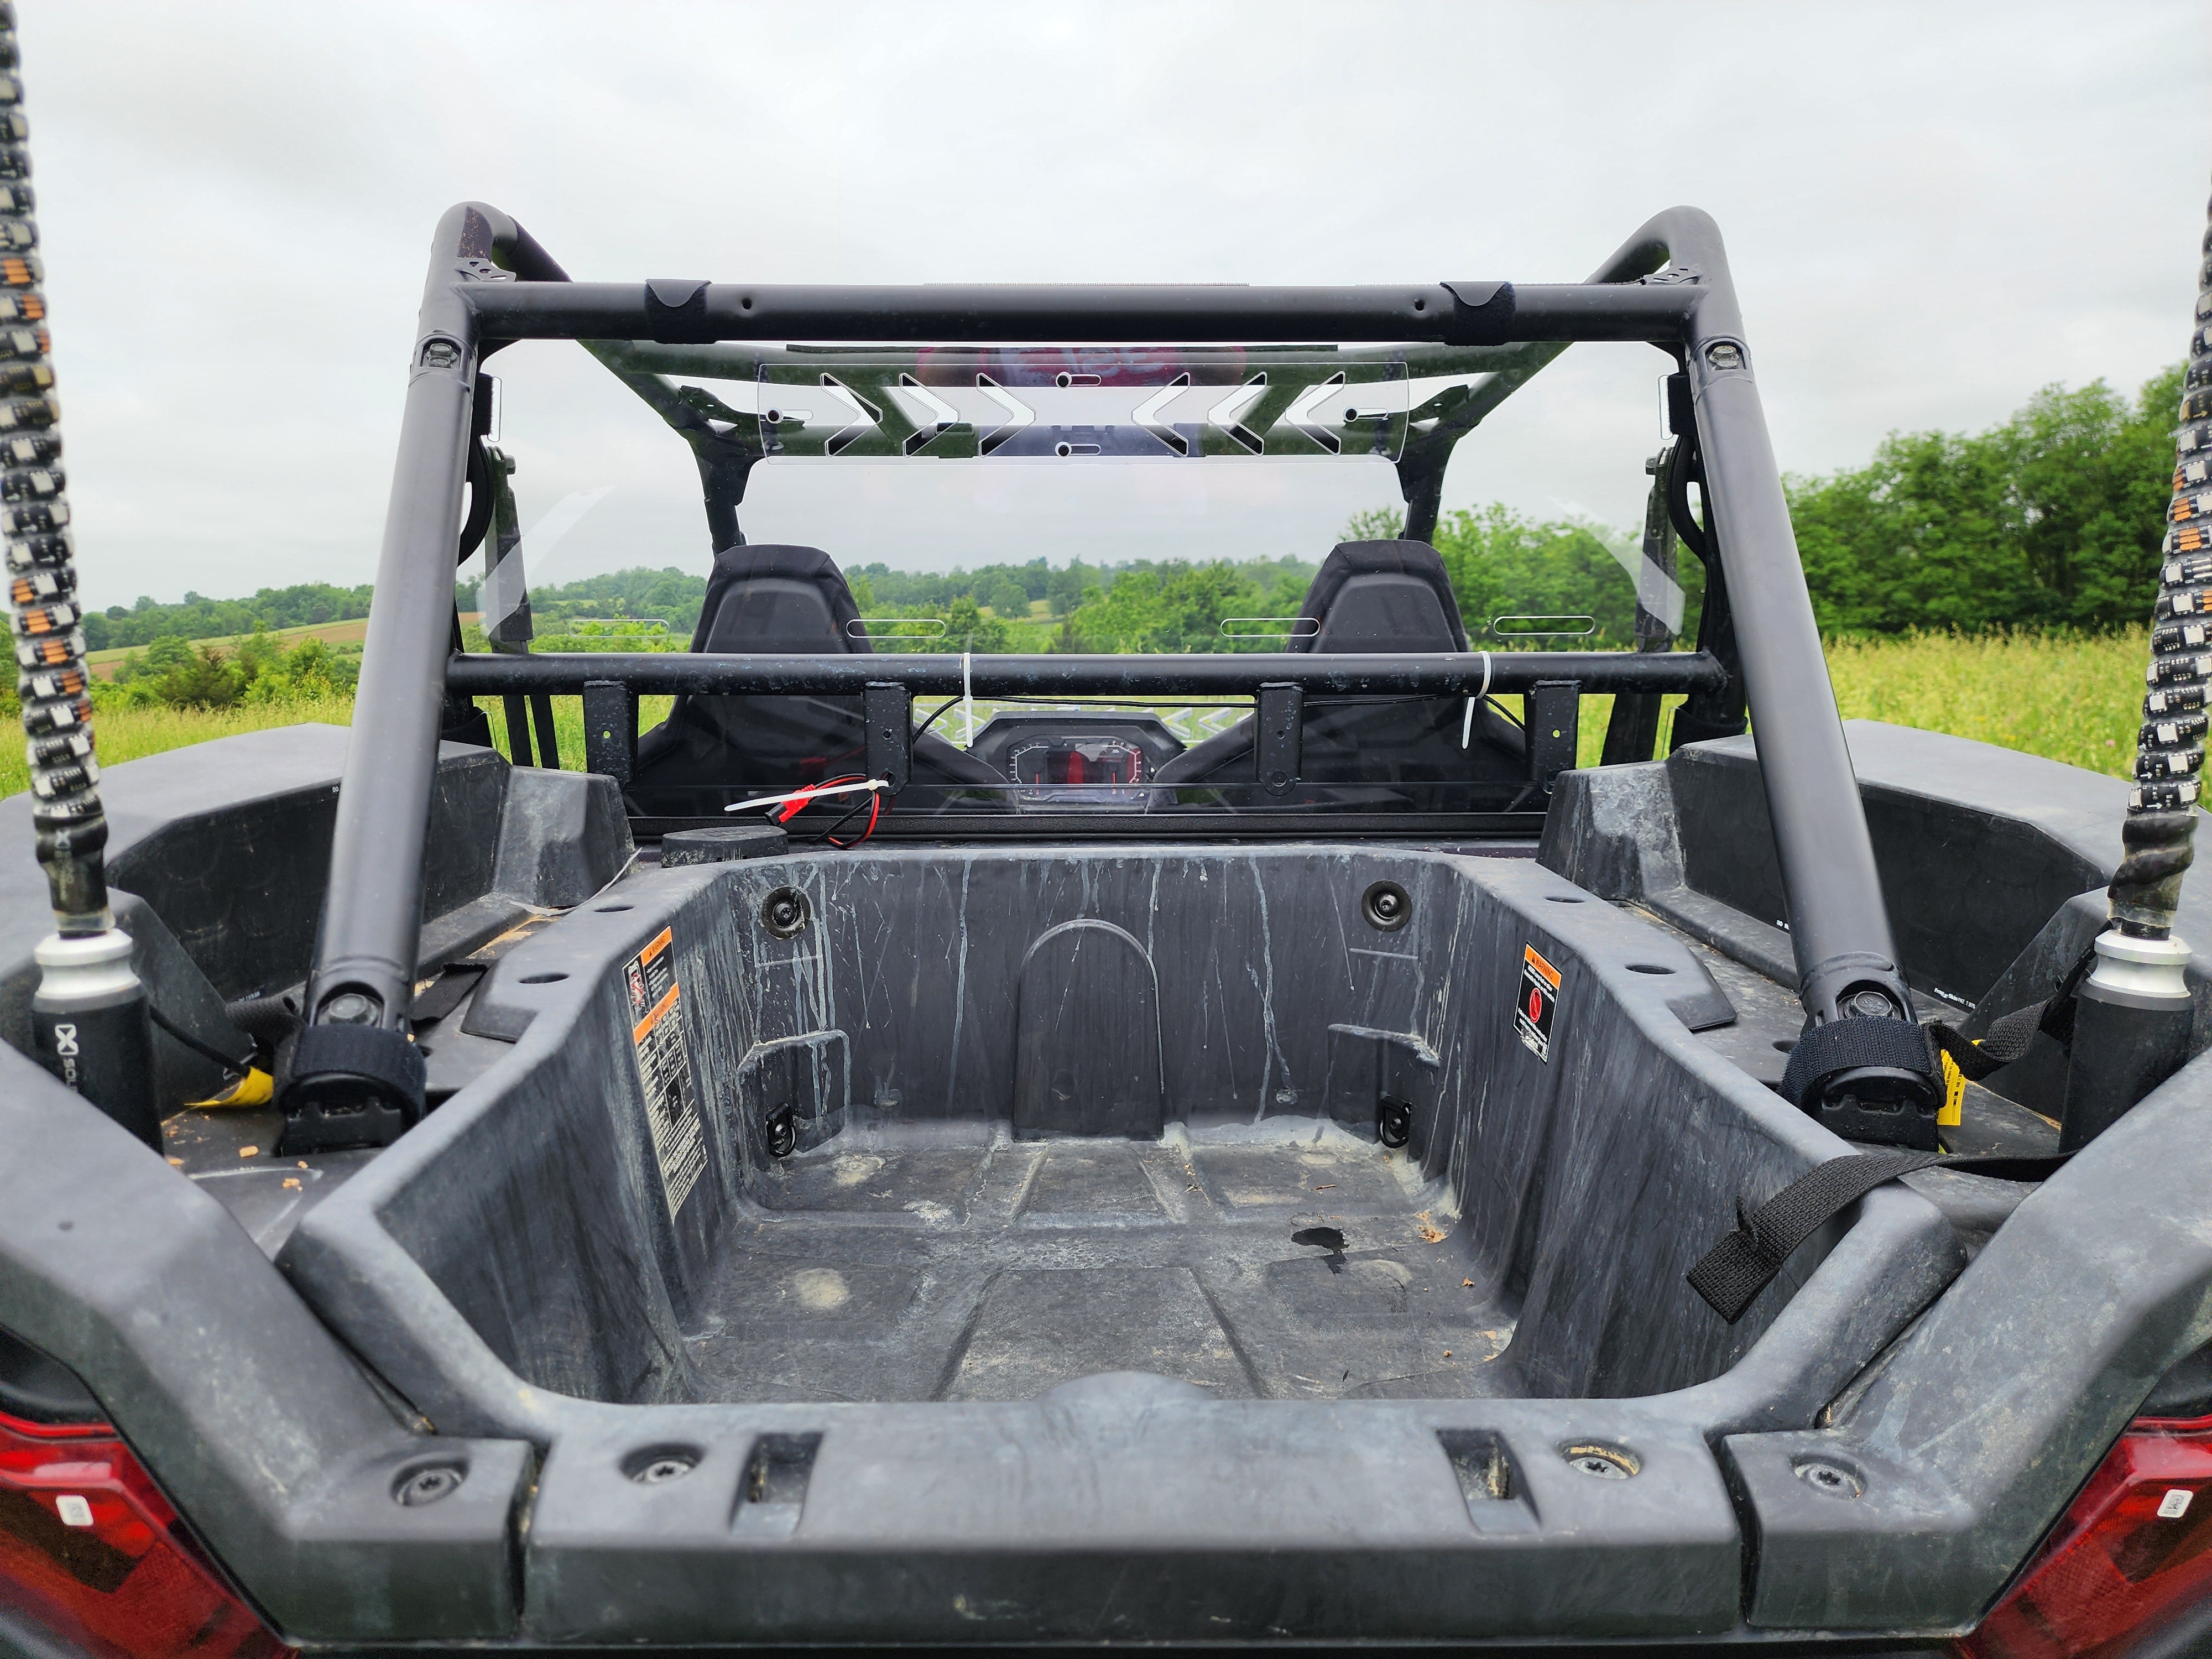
(90, 1014)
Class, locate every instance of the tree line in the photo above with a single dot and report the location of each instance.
(2051, 519)
(197, 617)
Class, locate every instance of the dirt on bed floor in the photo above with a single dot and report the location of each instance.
(1283, 1262)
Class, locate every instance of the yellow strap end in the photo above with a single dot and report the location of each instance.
(256, 1088)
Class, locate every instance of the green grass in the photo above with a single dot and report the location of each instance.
(2073, 699)
(2068, 697)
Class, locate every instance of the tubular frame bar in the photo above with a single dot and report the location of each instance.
(489, 282)
(1228, 673)
(1451, 313)
(1425, 829)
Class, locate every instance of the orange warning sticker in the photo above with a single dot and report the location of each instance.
(664, 1067)
(1539, 1000)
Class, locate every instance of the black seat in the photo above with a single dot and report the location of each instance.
(712, 751)
(1381, 598)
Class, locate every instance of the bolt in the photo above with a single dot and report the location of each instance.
(1870, 1005)
(1827, 1478)
(662, 1470)
(428, 1486)
(1601, 1462)
(350, 1008)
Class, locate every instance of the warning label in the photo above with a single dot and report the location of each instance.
(1540, 999)
(664, 1067)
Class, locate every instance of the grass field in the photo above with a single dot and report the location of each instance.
(104, 664)
(2073, 700)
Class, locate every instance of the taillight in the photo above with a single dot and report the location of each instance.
(91, 1553)
(2136, 1545)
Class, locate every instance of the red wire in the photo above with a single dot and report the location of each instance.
(802, 798)
(875, 810)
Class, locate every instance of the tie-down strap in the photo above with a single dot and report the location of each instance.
(1745, 1262)
(1844, 1045)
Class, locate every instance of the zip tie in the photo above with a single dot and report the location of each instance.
(967, 702)
(1467, 722)
(815, 793)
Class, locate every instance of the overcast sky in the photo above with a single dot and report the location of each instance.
(1931, 211)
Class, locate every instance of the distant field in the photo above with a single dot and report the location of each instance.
(103, 663)
(2073, 699)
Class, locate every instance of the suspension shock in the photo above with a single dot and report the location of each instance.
(2132, 1028)
(89, 1015)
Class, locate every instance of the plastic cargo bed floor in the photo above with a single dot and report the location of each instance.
(886, 1268)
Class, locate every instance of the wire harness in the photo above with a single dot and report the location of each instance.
(34, 516)
(2158, 838)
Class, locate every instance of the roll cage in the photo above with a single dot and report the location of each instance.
(1757, 652)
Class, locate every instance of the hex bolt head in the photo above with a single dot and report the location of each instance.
(350, 1008)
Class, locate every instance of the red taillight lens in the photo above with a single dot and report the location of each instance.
(2136, 1544)
(92, 1553)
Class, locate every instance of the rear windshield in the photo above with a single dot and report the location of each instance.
(1046, 501)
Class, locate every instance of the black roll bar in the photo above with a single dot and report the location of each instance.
(674, 312)
(489, 282)
(1228, 674)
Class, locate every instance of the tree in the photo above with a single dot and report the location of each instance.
(1007, 597)
(2051, 519)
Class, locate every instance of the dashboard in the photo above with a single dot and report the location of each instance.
(1064, 760)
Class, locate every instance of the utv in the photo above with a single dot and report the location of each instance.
(1345, 1176)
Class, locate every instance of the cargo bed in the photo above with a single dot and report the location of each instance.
(1141, 1122)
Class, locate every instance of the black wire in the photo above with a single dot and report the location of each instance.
(938, 713)
(1687, 464)
(231, 1067)
(873, 797)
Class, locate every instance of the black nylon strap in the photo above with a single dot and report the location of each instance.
(451, 988)
(267, 1020)
(1844, 1045)
(1744, 1263)
(380, 1057)
(2009, 1035)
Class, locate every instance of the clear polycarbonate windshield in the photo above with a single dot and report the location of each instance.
(833, 536)
(1063, 404)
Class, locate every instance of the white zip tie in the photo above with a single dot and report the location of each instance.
(967, 702)
(1467, 722)
(810, 795)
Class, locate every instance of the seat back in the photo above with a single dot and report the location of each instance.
(711, 750)
(777, 601)
(1382, 596)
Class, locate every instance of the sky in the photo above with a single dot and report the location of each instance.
(1931, 211)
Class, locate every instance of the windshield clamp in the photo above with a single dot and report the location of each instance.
(1281, 728)
(610, 731)
(889, 711)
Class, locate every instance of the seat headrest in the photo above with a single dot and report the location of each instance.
(1382, 596)
(772, 600)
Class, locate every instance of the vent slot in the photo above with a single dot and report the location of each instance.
(1496, 1498)
(774, 1490)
